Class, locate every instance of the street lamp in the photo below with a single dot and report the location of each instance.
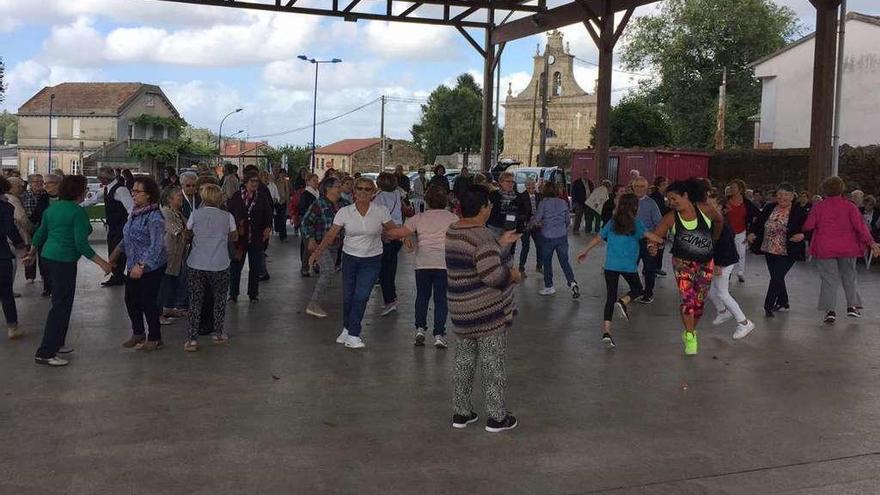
(51, 105)
(315, 104)
(220, 135)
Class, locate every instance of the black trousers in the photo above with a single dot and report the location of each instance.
(388, 274)
(6, 295)
(141, 298)
(63, 277)
(649, 267)
(281, 221)
(535, 236)
(612, 279)
(304, 255)
(777, 293)
(114, 237)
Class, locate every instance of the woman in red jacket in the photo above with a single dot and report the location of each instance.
(840, 236)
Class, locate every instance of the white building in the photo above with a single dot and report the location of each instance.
(787, 78)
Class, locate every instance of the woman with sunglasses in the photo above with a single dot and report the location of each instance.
(364, 222)
(143, 244)
(316, 222)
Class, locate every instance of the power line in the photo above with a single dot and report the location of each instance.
(640, 74)
(331, 119)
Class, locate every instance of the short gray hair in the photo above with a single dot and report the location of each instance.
(34, 176)
(106, 173)
(189, 176)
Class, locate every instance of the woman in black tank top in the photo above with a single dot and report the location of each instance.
(695, 227)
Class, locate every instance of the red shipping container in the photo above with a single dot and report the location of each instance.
(650, 163)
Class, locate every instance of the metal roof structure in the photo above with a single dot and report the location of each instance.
(523, 18)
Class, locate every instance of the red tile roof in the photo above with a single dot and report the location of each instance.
(242, 147)
(347, 146)
(86, 98)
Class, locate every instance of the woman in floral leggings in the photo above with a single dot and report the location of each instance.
(695, 227)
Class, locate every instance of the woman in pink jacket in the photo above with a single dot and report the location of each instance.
(840, 236)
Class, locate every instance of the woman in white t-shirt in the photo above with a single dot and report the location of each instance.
(430, 227)
(364, 222)
(208, 263)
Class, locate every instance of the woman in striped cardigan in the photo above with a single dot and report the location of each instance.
(480, 296)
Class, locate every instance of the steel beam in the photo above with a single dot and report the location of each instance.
(564, 15)
(821, 127)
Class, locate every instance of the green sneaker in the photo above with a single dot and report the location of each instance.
(690, 342)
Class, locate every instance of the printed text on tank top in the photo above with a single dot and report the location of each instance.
(693, 238)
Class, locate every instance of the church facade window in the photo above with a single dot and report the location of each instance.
(557, 84)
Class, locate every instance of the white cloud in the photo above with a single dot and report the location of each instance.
(78, 44)
(24, 79)
(296, 74)
(411, 41)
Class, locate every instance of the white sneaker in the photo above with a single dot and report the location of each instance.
(440, 342)
(743, 330)
(547, 291)
(389, 308)
(52, 361)
(353, 342)
(722, 317)
(313, 309)
(420, 337)
(343, 337)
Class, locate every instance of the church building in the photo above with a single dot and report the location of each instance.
(571, 110)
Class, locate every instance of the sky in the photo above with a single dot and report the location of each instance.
(212, 60)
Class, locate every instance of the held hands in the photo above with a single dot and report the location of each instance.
(312, 245)
(796, 238)
(136, 272)
(105, 266)
(408, 243)
(653, 248)
(582, 256)
(515, 275)
(875, 250)
(509, 237)
(313, 259)
(750, 238)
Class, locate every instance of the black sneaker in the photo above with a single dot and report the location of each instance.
(769, 314)
(609, 342)
(830, 317)
(621, 309)
(575, 290)
(853, 312)
(741, 279)
(508, 423)
(645, 299)
(459, 421)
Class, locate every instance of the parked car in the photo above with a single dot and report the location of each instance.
(541, 174)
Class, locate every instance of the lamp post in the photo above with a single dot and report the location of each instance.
(220, 135)
(316, 62)
(51, 108)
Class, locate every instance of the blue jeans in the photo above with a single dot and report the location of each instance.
(558, 245)
(358, 277)
(428, 281)
(173, 292)
(254, 255)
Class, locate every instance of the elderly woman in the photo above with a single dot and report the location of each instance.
(480, 296)
(439, 179)
(364, 222)
(63, 236)
(9, 233)
(316, 222)
(778, 234)
(172, 293)
(208, 265)
(143, 244)
(553, 216)
(22, 222)
(189, 191)
(389, 197)
(253, 213)
(840, 237)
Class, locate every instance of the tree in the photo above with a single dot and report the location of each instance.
(297, 157)
(201, 135)
(8, 128)
(636, 122)
(450, 120)
(688, 43)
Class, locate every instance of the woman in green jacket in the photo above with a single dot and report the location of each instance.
(62, 238)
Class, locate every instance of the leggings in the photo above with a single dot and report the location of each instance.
(611, 280)
(694, 280)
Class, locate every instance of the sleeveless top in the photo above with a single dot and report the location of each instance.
(116, 213)
(693, 239)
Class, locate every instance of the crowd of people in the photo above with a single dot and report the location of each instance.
(179, 248)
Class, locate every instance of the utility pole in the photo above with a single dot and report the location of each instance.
(838, 96)
(722, 113)
(542, 151)
(382, 138)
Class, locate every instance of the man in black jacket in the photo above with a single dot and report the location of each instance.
(504, 202)
(580, 191)
(528, 202)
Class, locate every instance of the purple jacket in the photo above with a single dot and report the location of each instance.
(839, 231)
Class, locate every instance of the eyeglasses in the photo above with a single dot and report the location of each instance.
(364, 189)
(135, 191)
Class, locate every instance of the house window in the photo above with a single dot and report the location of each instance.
(343, 164)
(53, 128)
(130, 131)
(150, 101)
(75, 133)
(75, 166)
(32, 166)
(148, 132)
(557, 84)
(322, 163)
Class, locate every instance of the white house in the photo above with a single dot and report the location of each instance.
(787, 78)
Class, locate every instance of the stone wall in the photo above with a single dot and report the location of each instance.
(400, 152)
(762, 169)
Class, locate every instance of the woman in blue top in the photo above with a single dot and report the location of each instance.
(622, 233)
(143, 244)
(553, 217)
